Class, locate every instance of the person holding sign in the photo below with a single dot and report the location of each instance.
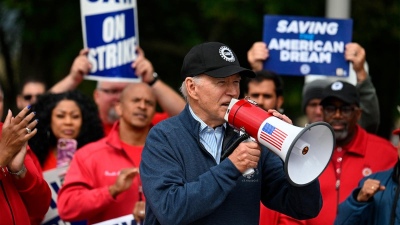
(103, 180)
(354, 53)
(24, 194)
(107, 93)
(184, 178)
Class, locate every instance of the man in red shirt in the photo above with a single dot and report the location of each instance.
(312, 92)
(102, 182)
(357, 153)
(107, 93)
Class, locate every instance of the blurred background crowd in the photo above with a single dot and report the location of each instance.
(41, 39)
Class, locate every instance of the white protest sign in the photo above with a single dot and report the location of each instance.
(55, 178)
(110, 31)
(123, 220)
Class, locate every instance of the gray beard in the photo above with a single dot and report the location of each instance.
(112, 115)
(341, 135)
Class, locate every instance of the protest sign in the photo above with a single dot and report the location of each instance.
(110, 31)
(55, 179)
(307, 45)
(123, 220)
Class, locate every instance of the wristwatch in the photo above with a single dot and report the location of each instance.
(155, 76)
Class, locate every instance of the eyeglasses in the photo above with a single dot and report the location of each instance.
(110, 91)
(29, 97)
(346, 110)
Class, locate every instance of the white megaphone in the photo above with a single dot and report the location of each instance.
(305, 151)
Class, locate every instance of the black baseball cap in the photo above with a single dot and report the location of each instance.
(341, 90)
(213, 59)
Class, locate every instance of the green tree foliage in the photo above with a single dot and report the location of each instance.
(52, 36)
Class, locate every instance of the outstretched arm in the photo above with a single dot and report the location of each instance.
(169, 100)
(80, 67)
(257, 54)
(370, 117)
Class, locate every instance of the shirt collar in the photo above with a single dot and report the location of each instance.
(202, 124)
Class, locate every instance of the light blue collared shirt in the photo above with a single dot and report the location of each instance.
(211, 138)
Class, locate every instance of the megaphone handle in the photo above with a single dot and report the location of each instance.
(249, 171)
(231, 148)
(242, 138)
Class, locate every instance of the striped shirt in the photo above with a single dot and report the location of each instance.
(211, 138)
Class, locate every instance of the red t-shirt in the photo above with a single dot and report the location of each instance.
(134, 153)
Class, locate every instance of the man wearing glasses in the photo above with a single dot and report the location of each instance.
(357, 153)
(30, 89)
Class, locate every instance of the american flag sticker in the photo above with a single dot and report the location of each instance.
(273, 136)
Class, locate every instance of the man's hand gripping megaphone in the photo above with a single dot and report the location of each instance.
(248, 150)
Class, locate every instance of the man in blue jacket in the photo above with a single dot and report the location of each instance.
(375, 201)
(185, 179)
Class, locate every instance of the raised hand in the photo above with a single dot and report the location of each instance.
(123, 182)
(356, 54)
(257, 54)
(143, 67)
(80, 67)
(369, 189)
(15, 134)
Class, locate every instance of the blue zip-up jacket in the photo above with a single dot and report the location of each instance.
(184, 185)
(377, 210)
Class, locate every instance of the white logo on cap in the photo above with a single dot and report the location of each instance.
(305, 69)
(337, 86)
(226, 54)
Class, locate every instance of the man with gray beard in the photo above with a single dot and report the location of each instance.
(357, 153)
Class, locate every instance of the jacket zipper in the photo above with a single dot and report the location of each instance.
(8, 203)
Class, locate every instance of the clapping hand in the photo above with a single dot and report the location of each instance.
(15, 134)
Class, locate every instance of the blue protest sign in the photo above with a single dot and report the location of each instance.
(110, 32)
(307, 45)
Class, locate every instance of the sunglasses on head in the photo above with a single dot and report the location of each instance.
(29, 97)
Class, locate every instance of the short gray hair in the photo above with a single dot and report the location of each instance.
(196, 80)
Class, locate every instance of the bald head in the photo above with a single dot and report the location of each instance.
(137, 106)
(137, 89)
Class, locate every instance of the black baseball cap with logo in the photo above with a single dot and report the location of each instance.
(341, 90)
(213, 59)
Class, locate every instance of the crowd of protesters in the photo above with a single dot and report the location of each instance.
(185, 175)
